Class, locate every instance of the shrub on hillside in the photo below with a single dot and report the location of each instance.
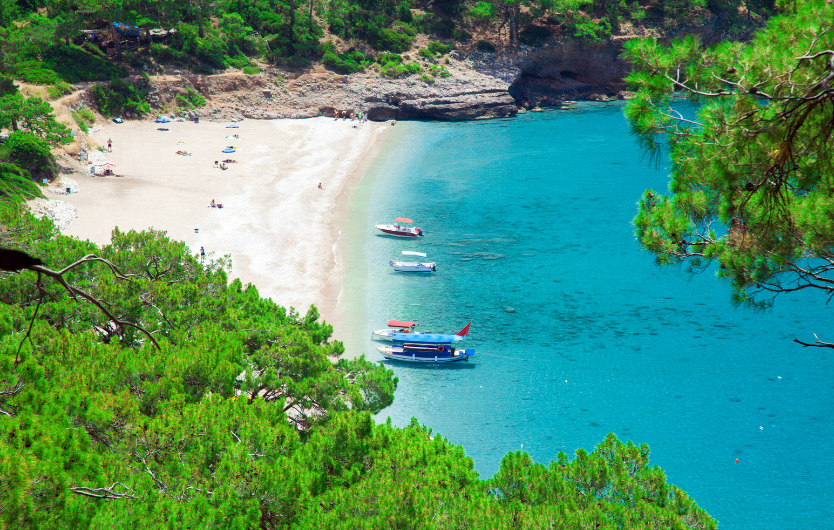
(393, 40)
(190, 100)
(29, 152)
(15, 183)
(118, 97)
(439, 48)
(534, 35)
(74, 64)
(345, 63)
(485, 46)
(396, 70)
(36, 73)
(251, 70)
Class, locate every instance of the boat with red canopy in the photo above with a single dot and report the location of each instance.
(401, 230)
(401, 326)
(396, 326)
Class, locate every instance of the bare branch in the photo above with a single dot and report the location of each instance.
(818, 344)
(103, 493)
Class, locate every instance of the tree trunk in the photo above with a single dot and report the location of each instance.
(200, 19)
(117, 43)
(516, 11)
(311, 14)
(292, 21)
(148, 36)
(347, 15)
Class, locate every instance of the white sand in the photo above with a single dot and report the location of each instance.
(278, 227)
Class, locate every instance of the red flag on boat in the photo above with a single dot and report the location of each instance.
(465, 330)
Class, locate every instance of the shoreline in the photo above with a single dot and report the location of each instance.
(331, 305)
(349, 314)
(276, 225)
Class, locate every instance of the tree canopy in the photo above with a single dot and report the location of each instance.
(139, 388)
(752, 173)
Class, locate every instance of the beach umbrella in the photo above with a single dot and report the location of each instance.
(104, 164)
(227, 150)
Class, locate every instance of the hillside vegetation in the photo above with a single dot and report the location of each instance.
(42, 41)
(139, 388)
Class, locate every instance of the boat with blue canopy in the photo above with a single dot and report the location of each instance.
(425, 348)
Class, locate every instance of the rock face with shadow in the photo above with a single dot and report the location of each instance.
(567, 71)
(465, 94)
(573, 69)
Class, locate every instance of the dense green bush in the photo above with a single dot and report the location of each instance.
(584, 27)
(27, 151)
(395, 40)
(93, 49)
(74, 64)
(251, 70)
(534, 35)
(392, 69)
(190, 100)
(345, 63)
(439, 48)
(120, 96)
(59, 89)
(15, 182)
(36, 73)
(485, 46)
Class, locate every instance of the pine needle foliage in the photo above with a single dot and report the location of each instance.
(752, 174)
(245, 415)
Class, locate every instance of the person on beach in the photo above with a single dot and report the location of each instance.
(203, 253)
(213, 204)
(320, 186)
(110, 145)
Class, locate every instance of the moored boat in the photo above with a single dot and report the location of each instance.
(425, 348)
(402, 326)
(400, 230)
(395, 326)
(413, 266)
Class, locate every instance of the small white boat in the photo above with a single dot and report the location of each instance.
(400, 230)
(395, 326)
(403, 327)
(413, 266)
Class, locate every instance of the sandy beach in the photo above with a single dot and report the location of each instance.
(279, 228)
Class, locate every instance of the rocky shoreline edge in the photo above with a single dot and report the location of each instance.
(478, 86)
(475, 85)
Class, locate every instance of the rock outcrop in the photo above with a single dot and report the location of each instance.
(477, 85)
(463, 95)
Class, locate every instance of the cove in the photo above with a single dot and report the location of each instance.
(578, 333)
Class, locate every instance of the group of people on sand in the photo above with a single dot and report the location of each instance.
(222, 164)
(215, 204)
(345, 115)
(184, 153)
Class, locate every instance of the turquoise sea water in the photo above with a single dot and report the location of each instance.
(578, 332)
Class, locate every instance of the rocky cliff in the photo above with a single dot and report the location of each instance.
(465, 94)
(478, 85)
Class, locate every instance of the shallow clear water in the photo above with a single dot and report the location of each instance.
(578, 332)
